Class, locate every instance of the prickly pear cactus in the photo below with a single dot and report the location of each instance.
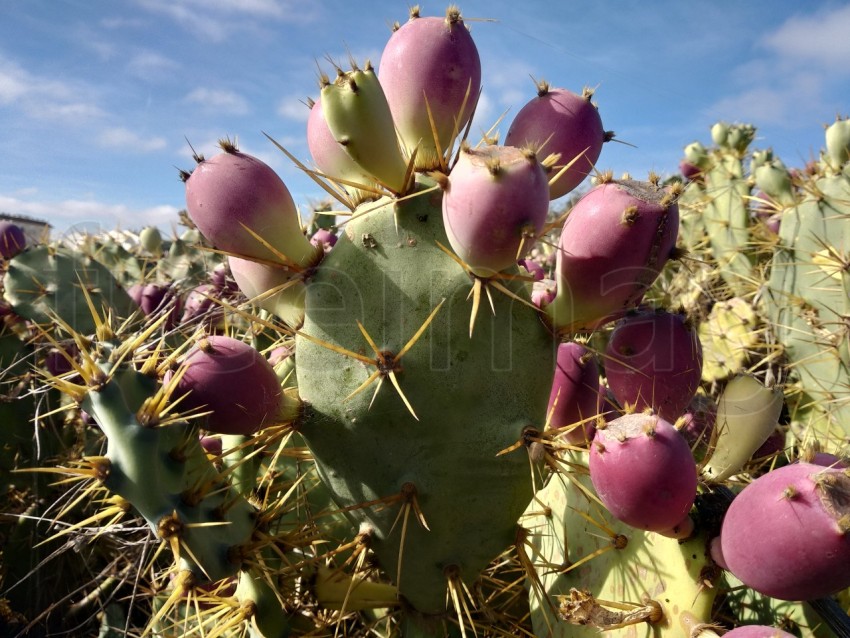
(422, 438)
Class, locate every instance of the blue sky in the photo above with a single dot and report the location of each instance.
(98, 98)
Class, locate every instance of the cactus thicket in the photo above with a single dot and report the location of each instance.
(436, 408)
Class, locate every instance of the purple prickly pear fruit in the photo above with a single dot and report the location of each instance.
(12, 240)
(532, 268)
(654, 360)
(330, 157)
(773, 223)
(234, 198)
(573, 402)
(135, 293)
(324, 238)
(689, 171)
(543, 292)
(201, 305)
(757, 631)
(211, 444)
(614, 244)
(218, 277)
(561, 122)
(494, 206)
(56, 363)
(431, 61)
(697, 424)
(155, 298)
(773, 446)
(279, 354)
(233, 382)
(275, 288)
(787, 534)
(643, 472)
(606, 405)
(825, 459)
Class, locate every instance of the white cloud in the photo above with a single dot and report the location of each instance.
(293, 108)
(789, 85)
(820, 39)
(130, 141)
(44, 97)
(216, 20)
(221, 101)
(89, 212)
(150, 65)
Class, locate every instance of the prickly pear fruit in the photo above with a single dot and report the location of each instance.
(151, 239)
(654, 360)
(330, 156)
(233, 382)
(614, 244)
(275, 288)
(838, 142)
(241, 206)
(359, 118)
(747, 414)
(494, 206)
(431, 64)
(561, 122)
(787, 534)
(643, 472)
(12, 240)
(574, 400)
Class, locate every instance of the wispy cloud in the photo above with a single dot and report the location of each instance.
(215, 20)
(293, 108)
(820, 39)
(90, 212)
(221, 101)
(130, 141)
(788, 84)
(44, 97)
(150, 65)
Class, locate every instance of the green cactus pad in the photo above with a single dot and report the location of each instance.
(45, 282)
(808, 303)
(649, 566)
(728, 338)
(472, 397)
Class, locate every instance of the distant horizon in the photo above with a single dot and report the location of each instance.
(101, 100)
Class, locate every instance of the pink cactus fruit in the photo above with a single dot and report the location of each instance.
(431, 61)
(202, 306)
(234, 198)
(543, 292)
(156, 299)
(558, 121)
(233, 382)
(533, 269)
(330, 157)
(643, 472)
(654, 360)
(757, 631)
(573, 401)
(495, 204)
(324, 238)
(787, 534)
(689, 171)
(697, 424)
(615, 241)
(12, 239)
(773, 446)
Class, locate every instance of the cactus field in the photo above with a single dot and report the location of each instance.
(441, 403)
